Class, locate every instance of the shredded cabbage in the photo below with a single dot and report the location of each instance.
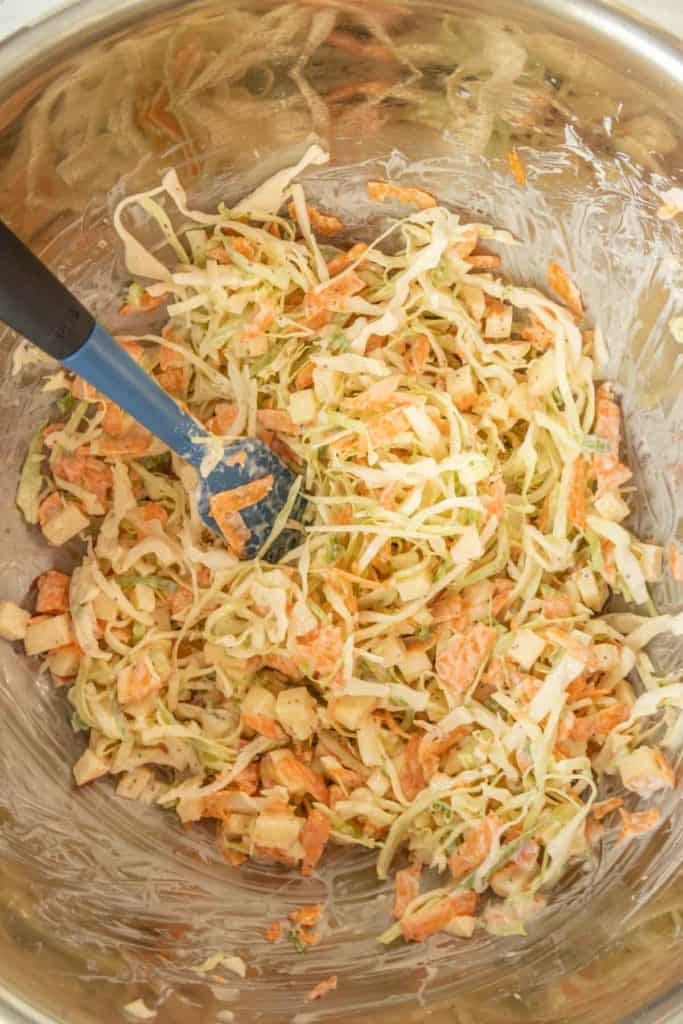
(431, 669)
(31, 478)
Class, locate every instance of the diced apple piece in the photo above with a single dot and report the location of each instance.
(414, 664)
(496, 407)
(303, 407)
(88, 768)
(405, 560)
(104, 607)
(626, 662)
(392, 652)
(606, 656)
(63, 662)
(378, 782)
(279, 831)
(65, 525)
(53, 593)
(461, 926)
(593, 590)
(134, 784)
(301, 619)
(541, 375)
(257, 345)
(467, 546)
(217, 804)
(213, 654)
(611, 506)
(189, 808)
(48, 634)
(237, 824)
(350, 711)
(369, 745)
(424, 429)
(474, 300)
(651, 558)
(461, 386)
(274, 773)
(144, 598)
(413, 585)
(259, 701)
(297, 712)
(477, 598)
(326, 384)
(13, 621)
(135, 682)
(526, 648)
(498, 323)
(645, 771)
(521, 403)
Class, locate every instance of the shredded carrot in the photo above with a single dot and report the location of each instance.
(320, 990)
(340, 263)
(417, 355)
(239, 459)
(307, 916)
(407, 888)
(637, 823)
(675, 560)
(314, 837)
(263, 725)
(227, 502)
(434, 612)
(429, 920)
(577, 493)
(147, 304)
(605, 807)
(517, 167)
(323, 223)
(273, 932)
(381, 190)
(561, 283)
(485, 261)
(458, 664)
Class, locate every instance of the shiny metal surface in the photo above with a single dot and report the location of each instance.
(102, 902)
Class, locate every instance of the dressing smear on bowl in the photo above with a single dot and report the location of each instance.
(432, 673)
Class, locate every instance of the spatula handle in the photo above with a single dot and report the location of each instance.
(36, 304)
(107, 366)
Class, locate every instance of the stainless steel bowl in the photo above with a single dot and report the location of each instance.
(103, 902)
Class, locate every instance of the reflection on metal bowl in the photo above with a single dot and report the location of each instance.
(103, 902)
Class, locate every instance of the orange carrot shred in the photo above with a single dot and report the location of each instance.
(322, 988)
(517, 167)
(234, 500)
(561, 283)
(307, 916)
(675, 560)
(273, 932)
(381, 190)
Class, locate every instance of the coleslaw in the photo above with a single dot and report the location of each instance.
(431, 673)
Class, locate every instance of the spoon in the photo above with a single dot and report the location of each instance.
(37, 305)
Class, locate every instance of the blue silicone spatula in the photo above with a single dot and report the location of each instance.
(36, 304)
